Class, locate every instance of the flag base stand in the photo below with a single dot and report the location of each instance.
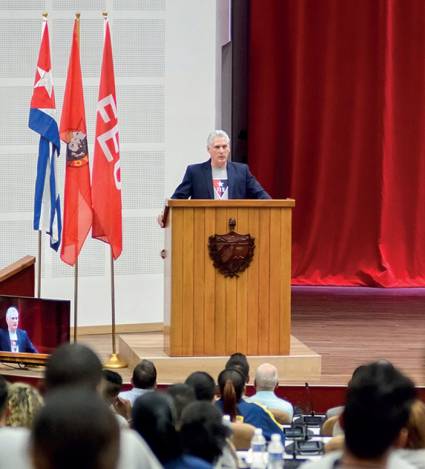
(115, 361)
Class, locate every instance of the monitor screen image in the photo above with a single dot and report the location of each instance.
(33, 325)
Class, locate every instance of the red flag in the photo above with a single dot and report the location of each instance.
(106, 191)
(77, 203)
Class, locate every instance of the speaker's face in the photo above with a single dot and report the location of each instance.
(219, 151)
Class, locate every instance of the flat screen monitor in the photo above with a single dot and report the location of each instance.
(43, 324)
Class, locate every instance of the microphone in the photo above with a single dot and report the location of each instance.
(309, 398)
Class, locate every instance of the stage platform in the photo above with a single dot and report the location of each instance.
(335, 328)
(301, 361)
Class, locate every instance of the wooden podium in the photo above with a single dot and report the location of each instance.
(207, 313)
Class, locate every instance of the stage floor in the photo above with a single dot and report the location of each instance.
(349, 326)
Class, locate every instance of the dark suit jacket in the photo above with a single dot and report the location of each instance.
(24, 342)
(197, 183)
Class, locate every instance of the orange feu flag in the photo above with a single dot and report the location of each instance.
(77, 201)
(106, 190)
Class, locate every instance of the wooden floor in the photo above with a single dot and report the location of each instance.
(350, 326)
(347, 327)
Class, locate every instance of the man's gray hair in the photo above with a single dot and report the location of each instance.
(11, 310)
(266, 377)
(217, 134)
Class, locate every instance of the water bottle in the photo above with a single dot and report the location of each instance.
(258, 450)
(275, 452)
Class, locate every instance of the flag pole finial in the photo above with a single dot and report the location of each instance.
(45, 15)
(77, 15)
(105, 14)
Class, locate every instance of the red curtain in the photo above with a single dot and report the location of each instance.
(337, 121)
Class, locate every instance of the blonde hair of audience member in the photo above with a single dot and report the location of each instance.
(416, 426)
(23, 403)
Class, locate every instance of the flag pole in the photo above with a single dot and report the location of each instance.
(44, 15)
(75, 299)
(39, 266)
(114, 361)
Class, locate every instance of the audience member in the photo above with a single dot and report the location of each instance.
(76, 365)
(112, 383)
(111, 387)
(337, 410)
(73, 365)
(4, 390)
(414, 451)
(182, 395)
(266, 381)
(377, 408)
(13, 440)
(232, 383)
(153, 417)
(75, 429)
(203, 435)
(238, 361)
(203, 384)
(143, 380)
(23, 403)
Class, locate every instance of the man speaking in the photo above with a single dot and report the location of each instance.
(219, 178)
(14, 339)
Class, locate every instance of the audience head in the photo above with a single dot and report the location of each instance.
(266, 377)
(238, 361)
(203, 384)
(182, 395)
(73, 365)
(111, 385)
(357, 370)
(154, 419)
(144, 375)
(416, 426)
(202, 431)
(4, 387)
(75, 429)
(23, 403)
(377, 407)
(231, 384)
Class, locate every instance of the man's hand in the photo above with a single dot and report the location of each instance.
(122, 407)
(160, 220)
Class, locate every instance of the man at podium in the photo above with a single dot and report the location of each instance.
(219, 178)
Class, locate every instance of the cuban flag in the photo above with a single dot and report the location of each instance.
(42, 119)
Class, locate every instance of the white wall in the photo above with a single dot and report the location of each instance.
(165, 63)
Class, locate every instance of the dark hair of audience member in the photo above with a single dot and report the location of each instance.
(73, 364)
(153, 417)
(416, 426)
(238, 361)
(112, 383)
(3, 394)
(202, 431)
(75, 429)
(377, 407)
(182, 395)
(231, 384)
(144, 375)
(203, 384)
